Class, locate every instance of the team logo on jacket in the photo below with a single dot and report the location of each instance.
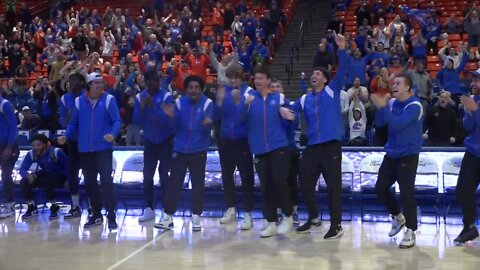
(273, 102)
(255, 160)
(174, 155)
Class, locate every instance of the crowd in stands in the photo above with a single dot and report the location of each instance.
(436, 43)
(177, 38)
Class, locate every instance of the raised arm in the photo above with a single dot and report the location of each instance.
(343, 61)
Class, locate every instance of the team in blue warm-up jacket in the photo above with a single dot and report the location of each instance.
(403, 116)
(233, 148)
(267, 138)
(321, 109)
(232, 123)
(403, 119)
(158, 130)
(156, 125)
(193, 118)
(8, 154)
(468, 178)
(98, 119)
(192, 135)
(43, 166)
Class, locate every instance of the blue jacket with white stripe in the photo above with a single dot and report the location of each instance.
(8, 123)
(192, 135)
(93, 122)
(45, 162)
(322, 110)
(471, 123)
(156, 125)
(404, 121)
(67, 103)
(265, 127)
(233, 124)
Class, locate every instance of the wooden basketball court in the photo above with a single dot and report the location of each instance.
(64, 244)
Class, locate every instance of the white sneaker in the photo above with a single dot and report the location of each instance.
(285, 226)
(7, 211)
(408, 240)
(398, 222)
(247, 223)
(166, 222)
(196, 225)
(229, 216)
(270, 230)
(148, 214)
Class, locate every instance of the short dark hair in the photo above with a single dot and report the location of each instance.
(78, 76)
(406, 79)
(40, 137)
(194, 78)
(152, 74)
(324, 71)
(263, 69)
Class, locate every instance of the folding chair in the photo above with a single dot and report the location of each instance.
(426, 185)
(130, 186)
(369, 167)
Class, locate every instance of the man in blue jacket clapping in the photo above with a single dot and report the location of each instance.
(468, 179)
(193, 118)
(233, 145)
(268, 141)
(158, 131)
(404, 119)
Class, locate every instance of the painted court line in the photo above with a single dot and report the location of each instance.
(142, 248)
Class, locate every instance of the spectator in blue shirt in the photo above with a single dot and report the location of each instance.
(431, 31)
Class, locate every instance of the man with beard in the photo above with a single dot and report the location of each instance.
(469, 176)
(323, 154)
(192, 116)
(51, 171)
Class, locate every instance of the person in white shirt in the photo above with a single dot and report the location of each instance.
(108, 42)
(382, 33)
(360, 91)
(357, 121)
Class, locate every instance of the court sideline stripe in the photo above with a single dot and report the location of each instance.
(142, 248)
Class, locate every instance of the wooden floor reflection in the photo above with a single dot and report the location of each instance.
(64, 244)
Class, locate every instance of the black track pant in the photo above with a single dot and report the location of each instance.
(403, 171)
(48, 182)
(236, 154)
(7, 168)
(273, 169)
(195, 163)
(325, 159)
(152, 154)
(95, 163)
(467, 185)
